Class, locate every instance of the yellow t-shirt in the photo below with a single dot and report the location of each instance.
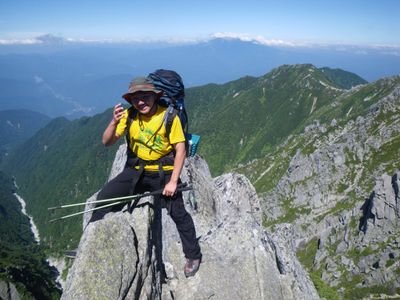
(148, 138)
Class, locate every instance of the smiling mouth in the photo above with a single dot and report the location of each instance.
(144, 106)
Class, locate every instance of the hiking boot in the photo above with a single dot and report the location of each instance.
(192, 266)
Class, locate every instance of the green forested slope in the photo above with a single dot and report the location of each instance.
(16, 126)
(22, 261)
(246, 119)
(347, 107)
(343, 79)
(15, 227)
(63, 163)
(336, 204)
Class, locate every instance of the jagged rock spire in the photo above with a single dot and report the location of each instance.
(124, 257)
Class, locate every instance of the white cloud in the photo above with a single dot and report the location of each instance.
(39, 39)
(18, 42)
(50, 39)
(357, 49)
(256, 39)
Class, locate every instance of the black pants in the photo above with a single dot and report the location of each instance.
(124, 184)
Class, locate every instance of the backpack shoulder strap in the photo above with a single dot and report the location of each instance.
(132, 112)
(169, 116)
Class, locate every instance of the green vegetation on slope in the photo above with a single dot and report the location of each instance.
(63, 163)
(346, 107)
(343, 79)
(16, 126)
(379, 155)
(249, 118)
(22, 261)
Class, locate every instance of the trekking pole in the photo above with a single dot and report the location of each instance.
(186, 188)
(181, 187)
(85, 211)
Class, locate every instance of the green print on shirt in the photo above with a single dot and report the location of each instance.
(149, 139)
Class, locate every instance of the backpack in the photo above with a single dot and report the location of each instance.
(170, 82)
(173, 96)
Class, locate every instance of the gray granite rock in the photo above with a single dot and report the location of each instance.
(8, 291)
(124, 257)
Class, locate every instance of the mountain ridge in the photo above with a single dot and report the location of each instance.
(315, 173)
(66, 153)
(336, 182)
(267, 99)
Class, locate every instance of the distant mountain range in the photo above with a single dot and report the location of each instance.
(76, 80)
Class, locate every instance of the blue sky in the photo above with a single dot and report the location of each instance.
(357, 22)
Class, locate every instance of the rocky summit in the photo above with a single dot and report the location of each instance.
(131, 255)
